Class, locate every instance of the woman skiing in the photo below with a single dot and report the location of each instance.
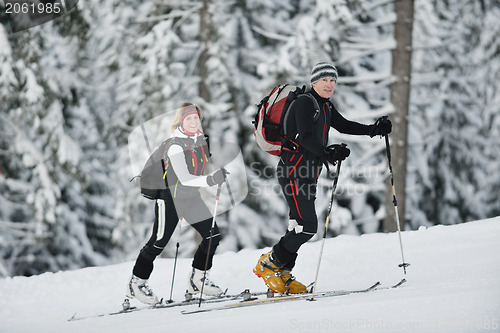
(184, 160)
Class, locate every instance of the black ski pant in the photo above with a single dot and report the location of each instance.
(195, 212)
(300, 195)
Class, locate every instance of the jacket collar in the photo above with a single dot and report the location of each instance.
(178, 133)
(321, 100)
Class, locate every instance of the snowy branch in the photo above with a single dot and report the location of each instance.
(270, 34)
(16, 226)
(425, 78)
(366, 77)
(387, 19)
(375, 4)
(370, 49)
(422, 101)
(178, 4)
(388, 108)
(434, 45)
(195, 8)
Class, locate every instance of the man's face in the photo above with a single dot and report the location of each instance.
(325, 87)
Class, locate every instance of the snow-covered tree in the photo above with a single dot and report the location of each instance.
(74, 90)
(54, 182)
(453, 102)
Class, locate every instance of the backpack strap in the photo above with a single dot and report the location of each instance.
(185, 147)
(316, 106)
(167, 144)
(285, 119)
(174, 141)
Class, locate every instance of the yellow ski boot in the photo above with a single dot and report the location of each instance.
(292, 286)
(270, 273)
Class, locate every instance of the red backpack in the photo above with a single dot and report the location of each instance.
(270, 133)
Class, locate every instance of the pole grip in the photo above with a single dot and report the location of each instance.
(388, 149)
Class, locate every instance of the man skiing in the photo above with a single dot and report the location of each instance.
(299, 168)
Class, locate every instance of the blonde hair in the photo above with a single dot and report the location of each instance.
(178, 114)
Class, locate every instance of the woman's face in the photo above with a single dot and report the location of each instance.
(191, 123)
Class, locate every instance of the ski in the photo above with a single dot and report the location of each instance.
(395, 285)
(248, 299)
(190, 300)
(309, 296)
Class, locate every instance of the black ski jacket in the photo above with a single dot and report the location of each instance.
(196, 157)
(304, 155)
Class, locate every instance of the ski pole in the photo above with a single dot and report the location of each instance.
(335, 181)
(210, 241)
(175, 261)
(146, 138)
(230, 193)
(395, 202)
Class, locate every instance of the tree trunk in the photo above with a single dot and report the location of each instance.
(206, 33)
(400, 97)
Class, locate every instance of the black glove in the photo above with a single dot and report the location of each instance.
(219, 177)
(382, 126)
(207, 140)
(336, 153)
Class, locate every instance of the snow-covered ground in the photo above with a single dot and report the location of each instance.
(453, 286)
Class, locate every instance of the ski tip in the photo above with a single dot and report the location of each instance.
(186, 312)
(399, 283)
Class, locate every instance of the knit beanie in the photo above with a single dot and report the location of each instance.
(323, 70)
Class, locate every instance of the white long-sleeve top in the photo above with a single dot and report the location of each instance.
(176, 155)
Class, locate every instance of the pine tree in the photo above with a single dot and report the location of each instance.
(487, 62)
(55, 189)
(458, 149)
